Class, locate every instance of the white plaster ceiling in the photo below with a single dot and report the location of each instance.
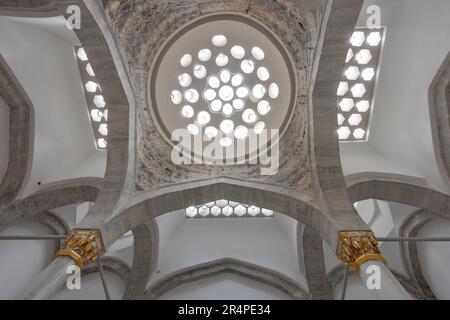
(40, 53)
(434, 257)
(22, 260)
(400, 138)
(225, 287)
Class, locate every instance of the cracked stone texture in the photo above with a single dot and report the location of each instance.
(141, 27)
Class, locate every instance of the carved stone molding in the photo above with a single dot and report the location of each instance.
(213, 268)
(145, 259)
(410, 228)
(21, 133)
(439, 102)
(314, 264)
(298, 205)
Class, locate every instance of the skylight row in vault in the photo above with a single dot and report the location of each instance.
(226, 209)
(355, 94)
(97, 109)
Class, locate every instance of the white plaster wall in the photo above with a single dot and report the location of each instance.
(22, 260)
(226, 287)
(4, 138)
(40, 53)
(435, 257)
(400, 137)
(92, 288)
(261, 241)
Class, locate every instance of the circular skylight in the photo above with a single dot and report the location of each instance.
(223, 79)
(227, 91)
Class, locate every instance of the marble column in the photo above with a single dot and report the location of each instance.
(381, 282)
(82, 247)
(359, 249)
(48, 281)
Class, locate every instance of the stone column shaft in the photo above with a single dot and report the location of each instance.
(48, 281)
(390, 287)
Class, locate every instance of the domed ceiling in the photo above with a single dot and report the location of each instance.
(225, 69)
(224, 77)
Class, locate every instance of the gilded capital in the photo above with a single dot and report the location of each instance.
(356, 247)
(83, 246)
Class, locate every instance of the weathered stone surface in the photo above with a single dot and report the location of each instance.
(328, 179)
(145, 259)
(21, 134)
(141, 27)
(409, 229)
(52, 196)
(439, 102)
(314, 264)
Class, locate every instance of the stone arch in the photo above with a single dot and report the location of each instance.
(145, 259)
(21, 134)
(97, 41)
(439, 104)
(51, 196)
(398, 188)
(213, 268)
(299, 206)
(314, 264)
(337, 27)
(28, 8)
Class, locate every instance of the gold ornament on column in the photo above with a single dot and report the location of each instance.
(83, 246)
(356, 247)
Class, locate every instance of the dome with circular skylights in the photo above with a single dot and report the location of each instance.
(225, 78)
(247, 91)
